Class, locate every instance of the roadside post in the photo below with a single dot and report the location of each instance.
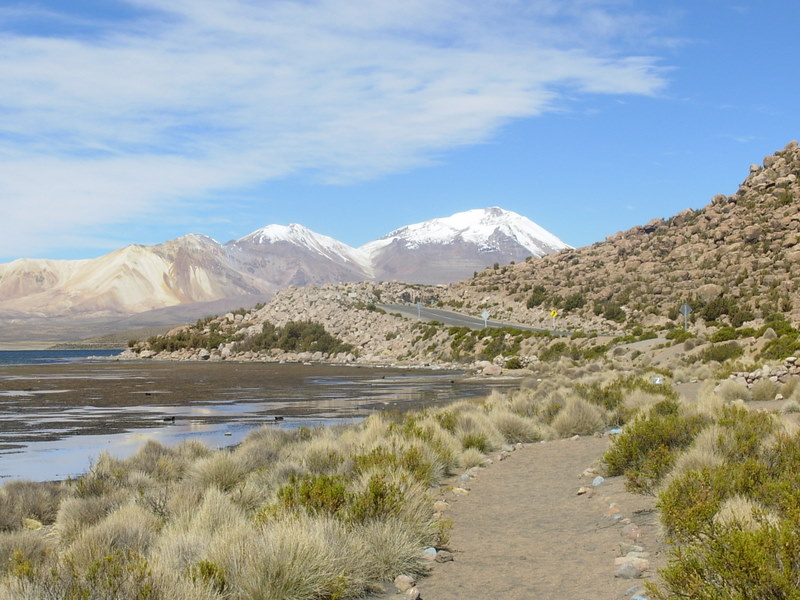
(485, 316)
(554, 314)
(685, 311)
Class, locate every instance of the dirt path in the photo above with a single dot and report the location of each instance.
(523, 533)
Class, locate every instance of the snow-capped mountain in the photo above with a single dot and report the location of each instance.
(196, 269)
(452, 248)
(295, 255)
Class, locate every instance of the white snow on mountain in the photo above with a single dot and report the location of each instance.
(305, 238)
(477, 226)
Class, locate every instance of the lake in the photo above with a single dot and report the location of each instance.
(55, 418)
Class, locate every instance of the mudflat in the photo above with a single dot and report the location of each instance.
(171, 401)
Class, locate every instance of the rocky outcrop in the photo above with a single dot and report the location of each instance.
(742, 251)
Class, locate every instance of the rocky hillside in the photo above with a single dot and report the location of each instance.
(735, 260)
(736, 263)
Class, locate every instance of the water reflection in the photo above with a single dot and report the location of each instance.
(57, 430)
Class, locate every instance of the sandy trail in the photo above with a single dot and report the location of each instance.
(523, 533)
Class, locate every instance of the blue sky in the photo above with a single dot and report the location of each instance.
(122, 121)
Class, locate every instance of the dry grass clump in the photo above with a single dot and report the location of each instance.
(157, 461)
(730, 390)
(389, 548)
(515, 428)
(302, 558)
(764, 390)
(28, 500)
(791, 388)
(636, 400)
(578, 417)
(76, 514)
(471, 457)
(221, 470)
(130, 529)
(791, 406)
(743, 513)
(474, 429)
(22, 549)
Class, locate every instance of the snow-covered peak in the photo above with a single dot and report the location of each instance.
(480, 226)
(305, 238)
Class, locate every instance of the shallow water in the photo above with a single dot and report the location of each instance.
(55, 419)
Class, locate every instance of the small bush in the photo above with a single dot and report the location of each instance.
(721, 352)
(646, 449)
(515, 428)
(28, 500)
(471, 457)
(764, 389)
(736, 562)
(22, 552)
(730, 391)
(578, 417)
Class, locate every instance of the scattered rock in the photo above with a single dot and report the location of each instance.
(627, 571)
(642, 564)
(441, 506)
(632, 532)
(404, 583)
(458, 491)
(413, 594)
(443, 556)
(429, 553)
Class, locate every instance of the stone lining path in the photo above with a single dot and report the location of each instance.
(524, 533)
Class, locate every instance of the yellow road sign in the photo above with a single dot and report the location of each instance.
(553, 313)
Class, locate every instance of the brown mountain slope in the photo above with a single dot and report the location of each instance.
(736, 259)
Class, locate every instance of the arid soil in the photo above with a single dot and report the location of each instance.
(523, 533)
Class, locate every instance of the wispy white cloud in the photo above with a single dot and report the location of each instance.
(130, 117)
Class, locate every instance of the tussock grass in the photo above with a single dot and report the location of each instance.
(221, 470)
(764, 390)
(76, 514)
(130, 529)
(730, 390)
(515, 428)
(743, 513)
(22, 550)
(471, 457)
(312, 513)
(578, 417)
(302, 558)
(28, 500)
(791, 406)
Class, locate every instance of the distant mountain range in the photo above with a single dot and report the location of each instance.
(180, 277)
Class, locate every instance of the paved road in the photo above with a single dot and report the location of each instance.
(454, 319)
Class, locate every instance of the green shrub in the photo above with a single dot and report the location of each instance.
(736, 562)
(514, 363)
(764, 390)
(315, 493)
(645, 451)
(679, 335)
(781, 347)
(724, 334)
(479, 441)
(721, 352)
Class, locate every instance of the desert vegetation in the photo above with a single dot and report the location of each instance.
(298, 514)
(726, 480)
